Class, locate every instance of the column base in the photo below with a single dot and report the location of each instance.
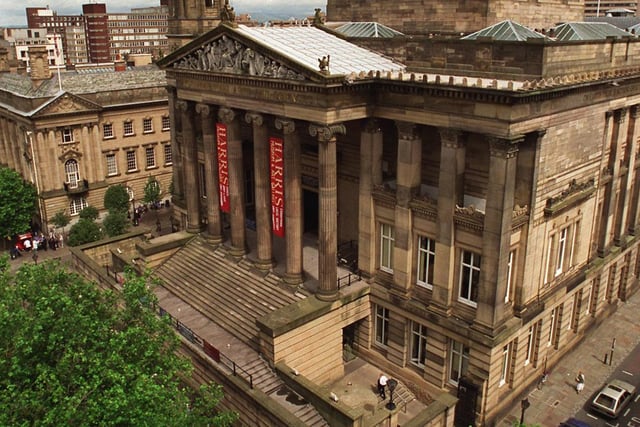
(328, 296)
(213, 239)
(237, 253)
(264, 264)
(193, 230)
(294, 279)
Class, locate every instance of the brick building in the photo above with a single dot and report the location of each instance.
(104, 127)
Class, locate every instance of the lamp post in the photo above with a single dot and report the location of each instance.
(392, 384)
(524, 404)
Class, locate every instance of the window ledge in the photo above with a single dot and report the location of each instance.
(151, 168)
(133, 171)
(108, 137)
(126, 135)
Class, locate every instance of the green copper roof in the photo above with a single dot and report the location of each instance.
(582, 31)
(367, 29)
(505, 31)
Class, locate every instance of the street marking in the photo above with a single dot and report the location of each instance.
(591, 416)
(626, 412)
(636, 399)
(628, 373)
(612, 425)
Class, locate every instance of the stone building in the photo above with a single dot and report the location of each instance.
(75, 137)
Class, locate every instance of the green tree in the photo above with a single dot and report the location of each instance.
(18, 203)
(116, 223)
(84, 231)
(90, 213)
(152, 191)
(74, 354)
(61, 220)
(116, 198)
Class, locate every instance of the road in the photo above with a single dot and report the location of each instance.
(629, 371)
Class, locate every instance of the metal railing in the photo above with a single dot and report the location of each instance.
(349, 279)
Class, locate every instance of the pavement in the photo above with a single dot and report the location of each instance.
(558, 400)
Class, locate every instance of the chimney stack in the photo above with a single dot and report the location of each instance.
(38, 60)
(4, 60)
(119, 63)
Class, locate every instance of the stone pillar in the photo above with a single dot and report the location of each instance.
(4, 142)
(88, 170)
(626, 212)
(262, 190)
(175, 124)
(60, 177)
(95, 140)
(328, 215)
(634, 173)
(607, 220)
(214, 220)
(236, 182)
(451, 193)
(408, 178)
(190, 166)
(44, 151)
(292, 202)
(370, 176)
(496, 235)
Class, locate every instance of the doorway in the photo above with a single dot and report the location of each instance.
(310, 207)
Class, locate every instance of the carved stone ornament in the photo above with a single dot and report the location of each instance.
(253, 118)
(326, 133)
(226, 55)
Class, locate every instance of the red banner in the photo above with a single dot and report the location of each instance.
(223, 166)
(276, 161)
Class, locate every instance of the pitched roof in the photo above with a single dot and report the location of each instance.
(584, 31)
(367, 30)
(305, 45)
(506, 31)
(623, 22)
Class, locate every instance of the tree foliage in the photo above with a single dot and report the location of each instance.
(84, 231)
(116, 223)
(18, 203)
(152, 191)
(74, 354)
(116, 198)
(90, 213)
(60, 219)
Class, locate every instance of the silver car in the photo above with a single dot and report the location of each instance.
(613, 398)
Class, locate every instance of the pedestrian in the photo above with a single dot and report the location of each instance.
(579, 382)
(382, 384)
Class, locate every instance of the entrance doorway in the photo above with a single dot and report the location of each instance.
(310, 207)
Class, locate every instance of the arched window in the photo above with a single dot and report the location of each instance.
(72, 174)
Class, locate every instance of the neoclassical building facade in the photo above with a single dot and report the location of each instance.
(74, 134)
(494, 210)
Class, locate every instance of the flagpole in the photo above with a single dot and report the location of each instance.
(55, 40)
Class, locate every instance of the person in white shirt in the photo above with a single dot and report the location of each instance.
(382, 384)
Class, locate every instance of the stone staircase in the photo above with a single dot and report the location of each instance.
(228, 305)
(233, 299)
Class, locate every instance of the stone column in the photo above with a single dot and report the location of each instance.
(44, 151)
(95, 139)
(625, 216)
(4, 143)
(292, 202)
(60, 177)
(451, 193)
(328, 215)
(175, 124)
(634, 173)
(262, 190)
(370, 176)
(496, 235)
(214, 220)
(607, 220)
(236, 182)
(88, 170)
(408, 180)
(190, 166)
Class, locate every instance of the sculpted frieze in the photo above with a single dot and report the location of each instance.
(225, 55)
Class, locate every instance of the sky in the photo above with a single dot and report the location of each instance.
(12, 13)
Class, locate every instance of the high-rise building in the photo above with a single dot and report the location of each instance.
(143, 30)
(610, 8)
(97, 31)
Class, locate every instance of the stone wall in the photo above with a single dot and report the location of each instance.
(419, 17)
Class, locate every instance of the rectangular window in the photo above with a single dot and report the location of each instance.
(168, 157)
(112, 166)
(67, 135)
(418, 344)
(469, 278)
(591, 298)
(426, 261)
(553, 326)
(107, 130)
(382, 325)
(504, 372)
(76, 205)
(128, 128)
(150, 155)
(147, 125)
(386, 248)
(458, 361)
(132, 165)
(575, 312)
(510, 272)
(530, 343)
(166, 123)
(562, 247)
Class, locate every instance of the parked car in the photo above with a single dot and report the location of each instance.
(613, 398)
(572, 422)
(21, 238)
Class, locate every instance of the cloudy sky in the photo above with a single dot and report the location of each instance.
(12, 13)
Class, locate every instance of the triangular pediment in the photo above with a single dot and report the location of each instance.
(224, 51)
(300, 53)
(66, 103)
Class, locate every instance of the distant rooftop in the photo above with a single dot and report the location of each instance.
(367, 29)
(506, 31)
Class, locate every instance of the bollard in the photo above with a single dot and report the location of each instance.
(605, 358)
